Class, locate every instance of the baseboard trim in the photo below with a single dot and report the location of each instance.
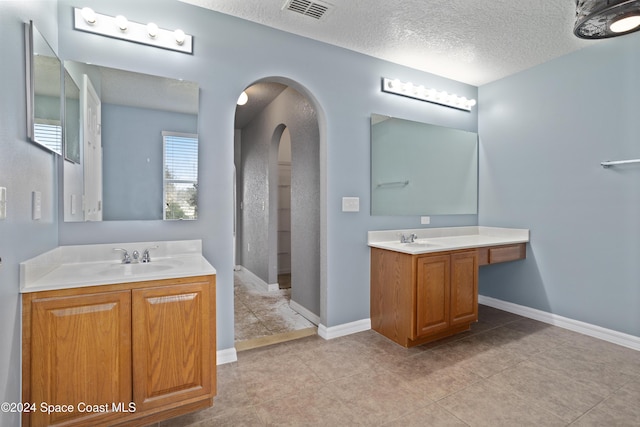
(269, 287)
(311, 317)
(329, 333)
(615, 337)
(227, 355)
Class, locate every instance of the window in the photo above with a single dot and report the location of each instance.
(180, 183)
(49, 135)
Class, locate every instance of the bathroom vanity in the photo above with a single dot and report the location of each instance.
(424, 282)
(108, 343)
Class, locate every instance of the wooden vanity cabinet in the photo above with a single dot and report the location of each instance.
(416, 299)
(125, 354)
(172, 347)
(420, 298)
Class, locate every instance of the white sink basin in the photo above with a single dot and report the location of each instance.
(139, 268)
(77, 266)
(421, 245)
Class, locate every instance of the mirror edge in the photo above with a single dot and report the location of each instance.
(30, 87)
(29, 79)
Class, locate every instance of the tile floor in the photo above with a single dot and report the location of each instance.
(506, 371)
(259, 313)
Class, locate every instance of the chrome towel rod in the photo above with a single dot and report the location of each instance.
(393, 184)
(618, 162)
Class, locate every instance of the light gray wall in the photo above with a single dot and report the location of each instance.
(24, 168)
(260, 179)
(543, 134)
(230, 54)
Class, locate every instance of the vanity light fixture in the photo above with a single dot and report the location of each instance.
(88, 15)
(180, 36)
(601, 19)
(122, 22)
(427, 94)
(152, 30)
(119, 27)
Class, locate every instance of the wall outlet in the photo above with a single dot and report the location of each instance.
(425, 220)
(351, 204)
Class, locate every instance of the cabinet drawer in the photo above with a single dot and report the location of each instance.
(496, 254)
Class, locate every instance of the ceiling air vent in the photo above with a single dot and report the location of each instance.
(313, 9)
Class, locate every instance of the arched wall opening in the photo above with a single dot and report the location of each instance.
(293, 111)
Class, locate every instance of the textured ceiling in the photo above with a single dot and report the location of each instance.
(472, 41)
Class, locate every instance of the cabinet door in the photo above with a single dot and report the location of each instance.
(464, 287)
(172, 343)
(80, 353)
(432, 294)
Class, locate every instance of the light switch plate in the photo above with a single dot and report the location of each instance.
(37, 204)
(425, 220)
(351, 204)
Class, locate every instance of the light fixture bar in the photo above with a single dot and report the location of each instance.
(427, 94)
(120, 28)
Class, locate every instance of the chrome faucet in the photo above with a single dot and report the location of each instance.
(408, 239)
(126, 259)
(145, 254)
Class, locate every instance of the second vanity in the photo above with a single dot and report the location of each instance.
(108, 342)
(424, 282)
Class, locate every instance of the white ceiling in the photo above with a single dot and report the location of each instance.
(472, 41)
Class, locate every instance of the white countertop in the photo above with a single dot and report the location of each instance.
(90, 265)
(446, 238)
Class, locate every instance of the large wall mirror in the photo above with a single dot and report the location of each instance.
(44, 122)
(131, 145)
(422, 169)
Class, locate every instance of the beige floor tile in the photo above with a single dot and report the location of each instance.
(507, 371)
(487, 404)
(590, 371)
(495, 317)
(622, 408)
(552, 390)
(339, 358)
(377, 399)
(599, 351)
(434, 374)
(275, 378)
(431, 415)
(314, 406)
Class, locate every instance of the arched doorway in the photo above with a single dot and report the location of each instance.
(280, 117)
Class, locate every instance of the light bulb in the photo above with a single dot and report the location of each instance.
(122, 22)
(88, 15)
(625, 24)
(152, 29)
(243, 98)
(471, 103)
(180, 36)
